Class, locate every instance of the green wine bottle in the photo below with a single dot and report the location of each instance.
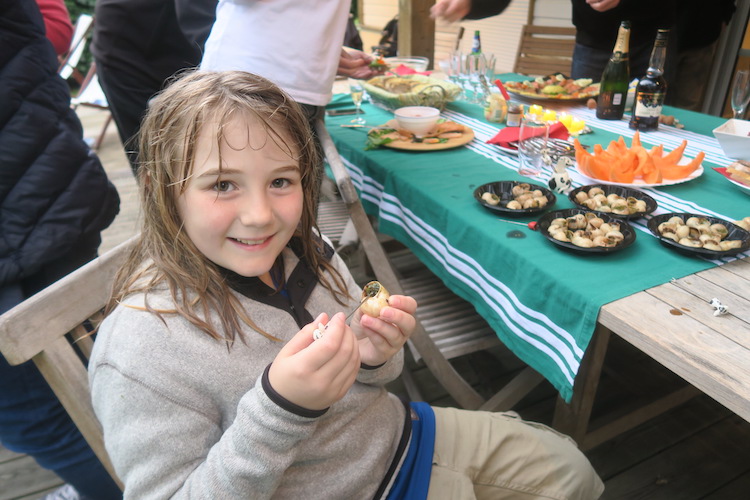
(613, 88)
(652, 88)
(476, 45)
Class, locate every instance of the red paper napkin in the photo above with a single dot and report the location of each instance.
(510, 134)
(402, 70)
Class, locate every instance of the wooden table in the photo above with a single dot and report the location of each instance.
(672, 323)
(675, 325)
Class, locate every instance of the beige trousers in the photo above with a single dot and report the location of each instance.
(494, 456)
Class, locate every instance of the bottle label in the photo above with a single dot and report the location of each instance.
(616, 99)
(649, 105)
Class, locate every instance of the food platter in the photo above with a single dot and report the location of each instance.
(622, 191)
(412, 145)
(639, 183)
(533, 96)
(504, 191)
(734, 233)
(626, 229)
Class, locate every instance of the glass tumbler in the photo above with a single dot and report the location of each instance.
(532, 145)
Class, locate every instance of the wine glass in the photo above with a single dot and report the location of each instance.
(356, 89)
(740, 93)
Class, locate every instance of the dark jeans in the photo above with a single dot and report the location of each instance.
(32, 420)
(589, 62)
(127, 94)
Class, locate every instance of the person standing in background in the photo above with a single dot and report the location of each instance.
(305, 64)
(597, 23)
(137, 46)
(57, 25)
(455, 10)
(697, 30)
(55, 199)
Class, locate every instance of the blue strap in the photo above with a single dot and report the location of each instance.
(413, 479)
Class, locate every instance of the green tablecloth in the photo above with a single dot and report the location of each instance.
(542, 302)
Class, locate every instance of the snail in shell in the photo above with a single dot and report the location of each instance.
(374, 298)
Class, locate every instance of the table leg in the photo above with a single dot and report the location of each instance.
(573, 418)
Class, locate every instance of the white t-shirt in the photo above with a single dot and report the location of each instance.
(294, 43)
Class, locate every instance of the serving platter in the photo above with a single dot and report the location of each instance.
(735, 233)
(626, 229)
(640, 183)
(503, 190)
(622, 191)
(412, 145)
(533, 96)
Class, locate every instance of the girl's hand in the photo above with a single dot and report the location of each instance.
(316, 374)
(380, 338)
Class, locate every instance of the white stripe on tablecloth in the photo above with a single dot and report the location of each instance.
(527, 324)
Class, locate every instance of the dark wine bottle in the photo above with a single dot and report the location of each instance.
(652, 88)
(613, 88)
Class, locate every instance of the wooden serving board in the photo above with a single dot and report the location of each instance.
(465, 138)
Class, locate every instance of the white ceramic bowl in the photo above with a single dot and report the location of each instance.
(414, 62)
(734, 137)
(417, 119)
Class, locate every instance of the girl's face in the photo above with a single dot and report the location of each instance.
(242, 217)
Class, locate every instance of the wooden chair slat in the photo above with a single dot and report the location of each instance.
(68, 378)
(27, 329)
(545, 50)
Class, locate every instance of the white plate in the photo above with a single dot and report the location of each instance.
(639, 183)
(745, 187)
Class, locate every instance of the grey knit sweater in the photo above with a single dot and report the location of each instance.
(186, 417)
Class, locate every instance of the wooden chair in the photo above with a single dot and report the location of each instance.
(91, 94)
(70, 60)
(51, 328)
(544, 50)
(437, 338)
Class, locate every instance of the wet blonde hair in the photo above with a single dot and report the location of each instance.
(165, 255)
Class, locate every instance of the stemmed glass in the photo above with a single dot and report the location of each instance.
(356, 89)
(740, 93)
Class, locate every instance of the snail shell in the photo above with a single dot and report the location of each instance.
(676, 220)
(689, 242)
(374, 297)
(730, 244)
(719, 229)
(491, 198)
(581, 197)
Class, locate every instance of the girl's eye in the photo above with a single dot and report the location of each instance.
(223, 186)
(280, 183)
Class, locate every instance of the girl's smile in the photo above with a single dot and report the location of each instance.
(244, 199)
